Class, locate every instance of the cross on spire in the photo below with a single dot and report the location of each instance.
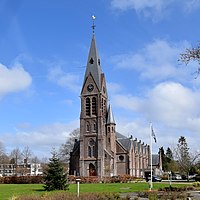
(93, 25)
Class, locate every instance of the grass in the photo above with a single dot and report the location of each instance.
(7, 191)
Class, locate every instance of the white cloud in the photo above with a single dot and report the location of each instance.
(173, 108)
(63, 79)
(157, 61)
(149, 8)
(139, 5)
(156, 9)
(191, 5)
(128, 102)
(173, 104)
(113, 87)
(168, 102)
(13, 79)
(42, 139)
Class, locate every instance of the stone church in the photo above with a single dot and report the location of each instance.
(101, 150)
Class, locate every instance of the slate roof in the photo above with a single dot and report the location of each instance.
(126, 143)
(120, 136)
(110, 116)
(93, 64)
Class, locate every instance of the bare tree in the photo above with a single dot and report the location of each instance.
(15, 157)
(35, 159)
(66, 148)
(2, 148)
(3, 157)
(192, 54)
(26, 154)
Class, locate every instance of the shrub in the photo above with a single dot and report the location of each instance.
(153, 195)
(21, 179)
(95, 179)
(69, 196)
(196, 184)
(197, 178)
(176, 189)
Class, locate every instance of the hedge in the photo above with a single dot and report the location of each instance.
(21, 179)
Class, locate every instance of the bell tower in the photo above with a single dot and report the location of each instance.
(93, 116)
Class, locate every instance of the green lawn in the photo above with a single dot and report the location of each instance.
(9, 190)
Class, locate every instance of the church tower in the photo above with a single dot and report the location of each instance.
(96, 142)
(100, 150)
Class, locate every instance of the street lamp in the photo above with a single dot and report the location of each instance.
(78, 188)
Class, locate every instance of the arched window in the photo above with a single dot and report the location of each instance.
(87, 126)
(94, 106)
(87, 107)
(91, 148)
(94, 126)
(89, 151)
(109, 129)
(93, 151)
(91, 61)
(104, 109)
(102, 105)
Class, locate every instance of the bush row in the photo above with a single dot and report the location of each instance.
(95, 179)
(154, 195)
(177, 189)
(21, 179)
(71, 179)
(69, 196)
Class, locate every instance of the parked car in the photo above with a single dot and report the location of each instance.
(192, 177)
(178, 177)
(156, 179)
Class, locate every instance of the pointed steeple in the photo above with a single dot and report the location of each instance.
(93, 63)
(110, 116)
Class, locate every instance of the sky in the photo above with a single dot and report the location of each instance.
(44, 47)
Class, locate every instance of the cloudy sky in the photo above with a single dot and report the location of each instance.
(43, 53)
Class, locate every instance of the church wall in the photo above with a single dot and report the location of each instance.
(122, 164)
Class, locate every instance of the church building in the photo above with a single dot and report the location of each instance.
(101, 150)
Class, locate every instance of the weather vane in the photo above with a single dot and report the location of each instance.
(93, 25)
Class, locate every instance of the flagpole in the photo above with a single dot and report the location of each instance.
(151, 184)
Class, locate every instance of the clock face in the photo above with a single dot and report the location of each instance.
(90, 87)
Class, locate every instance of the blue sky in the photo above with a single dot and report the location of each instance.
(44, 47)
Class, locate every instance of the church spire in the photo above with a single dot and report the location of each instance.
(110, 116)
(93, 64)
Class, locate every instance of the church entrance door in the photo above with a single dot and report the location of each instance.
(92, 170)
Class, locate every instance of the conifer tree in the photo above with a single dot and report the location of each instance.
(55, 178)
(169, 154)
(184, 159)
